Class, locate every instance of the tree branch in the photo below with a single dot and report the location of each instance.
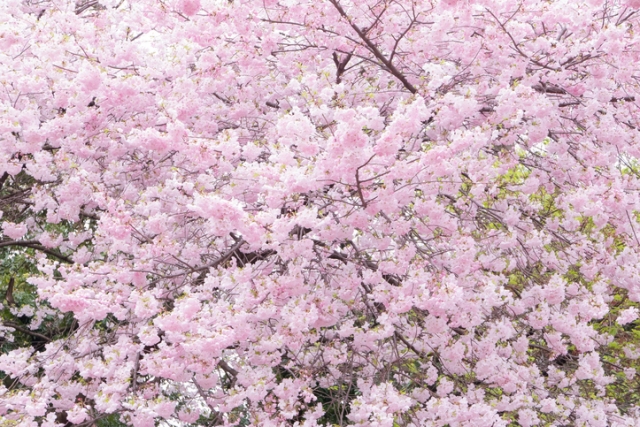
(35, 244)
(25, 330)
(205, 267)
(374, 49)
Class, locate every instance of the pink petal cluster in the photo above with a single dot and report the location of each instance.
(320, 212)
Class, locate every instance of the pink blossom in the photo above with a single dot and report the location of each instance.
(188, 7)
(14, 231)
(165, 409)
(415, 213)
(444, 387)
(146, 305)
(89, 78)
(633, 3)
(188, 416)
(77, 415)
(527, 418)
(628, 315)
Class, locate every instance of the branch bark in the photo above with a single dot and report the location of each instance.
(374, 49)
(35, 244)
(26, 331)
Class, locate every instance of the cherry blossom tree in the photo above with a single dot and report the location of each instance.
(320, 212)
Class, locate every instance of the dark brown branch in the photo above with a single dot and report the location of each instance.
(225, 100)
(410, 346)
(9, 293)
(358, 182)
(134, 375)
(614, 99)
(18, 243)
(516, 47)
(26, 331)
(374, 49)
(548, 89)
(3, 179)
(34, 244)
(624, 98)
(81, 8)
(227, 369)
(397, 41)
(341, 65)
(205, 267)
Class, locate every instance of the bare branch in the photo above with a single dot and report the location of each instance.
(25, 330)
(388, 65)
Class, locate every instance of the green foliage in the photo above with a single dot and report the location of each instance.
(111, 420)
(336, 402)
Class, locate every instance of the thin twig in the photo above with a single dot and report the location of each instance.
(213, 264)
(374, 49)
(632, 228)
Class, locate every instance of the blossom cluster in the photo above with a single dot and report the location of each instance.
(320, 212)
